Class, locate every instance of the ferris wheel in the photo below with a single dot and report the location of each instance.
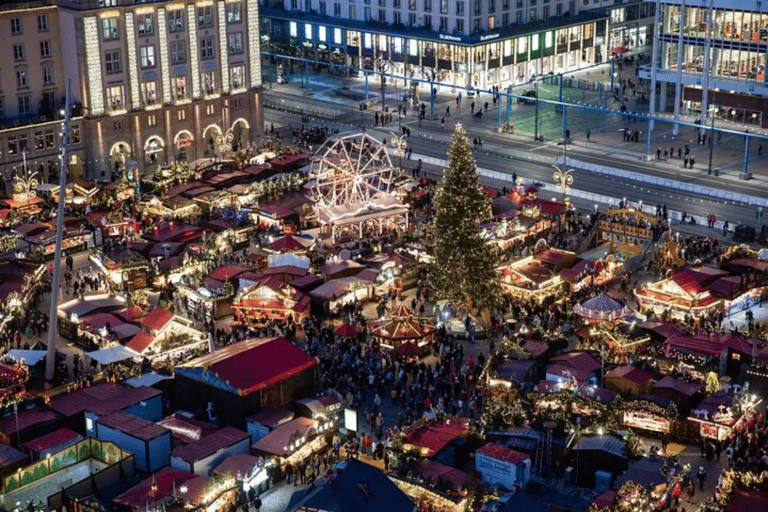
(350, 168)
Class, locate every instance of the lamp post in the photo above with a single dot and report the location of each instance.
(563, 178)
(224, 141)
(400, 143)
(50, 361)
(27, 184)
(711, 138)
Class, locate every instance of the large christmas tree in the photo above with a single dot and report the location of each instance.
(464, 271)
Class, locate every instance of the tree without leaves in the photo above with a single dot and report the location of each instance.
(465, 268)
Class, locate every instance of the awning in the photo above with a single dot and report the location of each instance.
(619, 50)
(112, 354)
(31, 357)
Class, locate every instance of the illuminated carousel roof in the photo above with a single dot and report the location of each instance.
(403, 325)
(602, 308)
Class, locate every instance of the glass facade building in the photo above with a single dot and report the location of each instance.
(716, 51)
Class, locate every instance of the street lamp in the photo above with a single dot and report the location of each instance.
(25, 185)
(711, 138)
(563, 179)
(400, 143)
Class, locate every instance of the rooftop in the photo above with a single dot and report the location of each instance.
(249, 365)
(133, 426)
(210, 444)
(101, 399)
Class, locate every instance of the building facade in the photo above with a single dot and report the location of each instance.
(36, 64)
(713, 54)
(471, 43)
(150, 82)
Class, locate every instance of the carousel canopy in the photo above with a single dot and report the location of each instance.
(403, 325)
(288, 243)
(346, 330)
(601, 308)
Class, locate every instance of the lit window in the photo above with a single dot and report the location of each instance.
(321, 35)
(307, 31)
(337, 36)
(293, 30)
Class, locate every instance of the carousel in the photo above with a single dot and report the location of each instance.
(602, 309)
(404, 332)
(609, 327)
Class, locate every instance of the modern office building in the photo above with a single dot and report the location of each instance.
(150, 82)
(713, 54)
(631, 25)
(477, 43)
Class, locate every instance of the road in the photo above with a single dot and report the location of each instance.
(533, 160)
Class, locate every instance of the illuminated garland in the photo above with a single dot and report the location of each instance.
(734, 480)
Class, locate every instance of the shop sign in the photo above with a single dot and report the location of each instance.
(446, 37)
(488, 37)
(153, 147)
(183, 143)
(495, 470)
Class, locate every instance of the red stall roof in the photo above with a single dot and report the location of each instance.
(52, 440)
(210, 444)
(434, 436)
(186, 430)
(137, 497)
(101, 399)
(133, 426)
(26, 419)
(248, 367)
(502, 453)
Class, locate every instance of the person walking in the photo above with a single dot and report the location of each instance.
(442, 122)
(702, 477)
(589, 132)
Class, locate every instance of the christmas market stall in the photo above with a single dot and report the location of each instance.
(252, 472)
(41, 247)
(71, 311)
(628, 380)
(677, 296)
(503, 466)
(651, 413)
(166, 336)
(77, 193)
(202, 456)
(627, 227)
(292, 442)
(109, 224)
(723, 353)
(270, 298)
(683, 393)
(124, 268)
(20, 281)
(722, 412)
(401, 328)
(176, 207)
(336, 293)
(155, 492)
(439, 438)
(596, 453)
(537, 276)
(246, 377)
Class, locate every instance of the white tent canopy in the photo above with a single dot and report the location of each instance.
(112, 354)
(31, 357)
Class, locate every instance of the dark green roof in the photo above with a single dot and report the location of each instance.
(356, 487)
